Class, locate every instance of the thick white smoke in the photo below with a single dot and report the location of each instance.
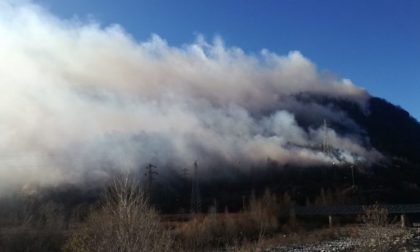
(78, 99)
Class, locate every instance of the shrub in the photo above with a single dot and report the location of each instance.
(375, 215)
(221, 230)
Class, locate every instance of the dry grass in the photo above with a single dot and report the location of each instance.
(367, 238)
(216, 230)
(299, 238)
(221, 230)
(127, 223)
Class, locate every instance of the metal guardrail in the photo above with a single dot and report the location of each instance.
(352, 209)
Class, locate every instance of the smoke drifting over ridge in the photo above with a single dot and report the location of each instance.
(78, 100)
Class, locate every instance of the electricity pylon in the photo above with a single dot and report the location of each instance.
(150, 174)
(195, 192)
(325, 140)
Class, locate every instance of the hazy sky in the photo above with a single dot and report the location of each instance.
(374, 43)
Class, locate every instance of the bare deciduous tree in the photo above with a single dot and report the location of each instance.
(125, 222)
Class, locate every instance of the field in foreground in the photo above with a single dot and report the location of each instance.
(125, 221)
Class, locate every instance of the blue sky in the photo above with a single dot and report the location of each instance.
(374, 43)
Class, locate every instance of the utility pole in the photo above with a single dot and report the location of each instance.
(195, 192)
(150, 174)
(352, 175)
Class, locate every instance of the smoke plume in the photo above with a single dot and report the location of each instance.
(79, 100)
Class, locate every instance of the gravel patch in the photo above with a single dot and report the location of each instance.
(370, 239)
(346, 244)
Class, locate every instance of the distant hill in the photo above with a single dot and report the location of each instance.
(396, 179)
(391, 129)
(388, 128)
